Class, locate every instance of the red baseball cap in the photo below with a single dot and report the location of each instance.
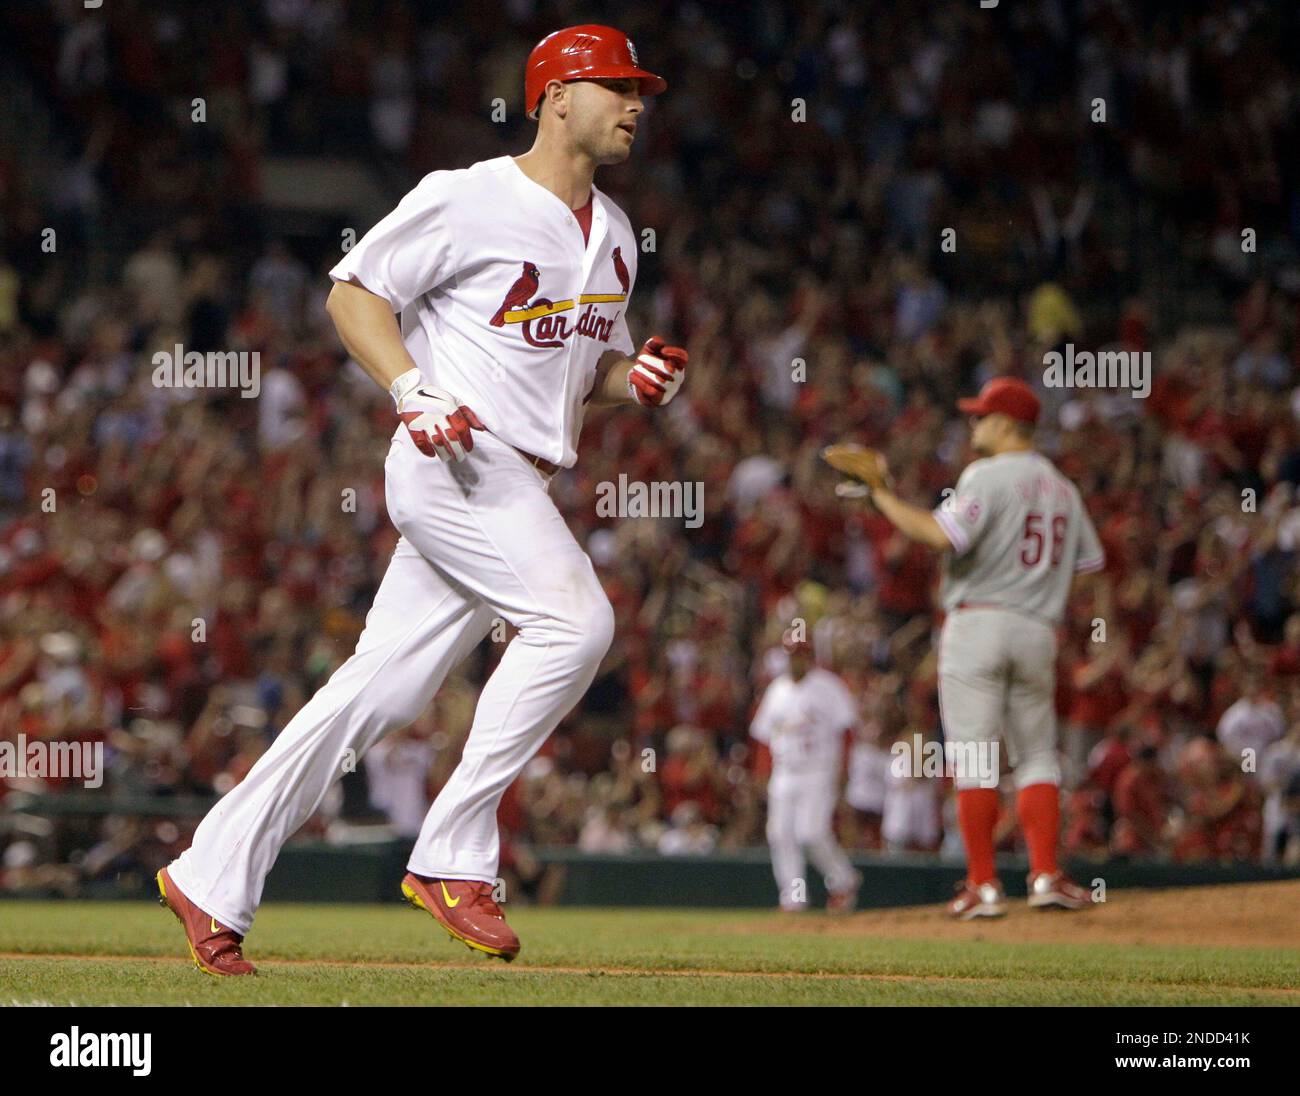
(1004, 396)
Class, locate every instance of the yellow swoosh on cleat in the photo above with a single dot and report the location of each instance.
(446, 897)
(214, 925)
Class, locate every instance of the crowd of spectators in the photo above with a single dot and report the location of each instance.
(180, 569)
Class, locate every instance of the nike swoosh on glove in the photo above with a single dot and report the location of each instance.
(658, 374)
(440, 425)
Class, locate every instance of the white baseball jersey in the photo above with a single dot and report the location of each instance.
(1250, 725)
(396, 774)
(1019, 533)
(803, 722)
(500, 302)
(868, 777)
(911, 812)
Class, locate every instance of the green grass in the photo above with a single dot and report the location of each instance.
(364, 955)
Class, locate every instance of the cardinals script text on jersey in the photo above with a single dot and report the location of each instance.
(501, 301)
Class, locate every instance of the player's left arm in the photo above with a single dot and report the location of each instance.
(849, 719)
(1091, 555)
(611, 379)
(760, 727)
(651, 379)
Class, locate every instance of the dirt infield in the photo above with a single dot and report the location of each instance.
(1241, 915)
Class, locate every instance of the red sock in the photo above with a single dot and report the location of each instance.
(1039, 807)
(977, 814)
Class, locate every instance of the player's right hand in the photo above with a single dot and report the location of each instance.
(440, 425)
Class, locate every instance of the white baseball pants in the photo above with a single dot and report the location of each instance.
(480, 539)
(997, 683)
(800, 808)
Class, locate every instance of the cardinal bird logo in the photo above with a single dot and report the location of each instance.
(520, 293)
(620, 270)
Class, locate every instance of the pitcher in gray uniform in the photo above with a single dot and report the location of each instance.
(1014, 534)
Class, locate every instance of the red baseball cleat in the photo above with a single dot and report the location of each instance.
(465, 908)
(215, 948)
(846, 900)
(1057, 891)
(985, 900)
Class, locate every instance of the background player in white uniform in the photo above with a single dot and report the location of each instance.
(492, 304)
(804, 718)
(1015, 533)
(866, 784)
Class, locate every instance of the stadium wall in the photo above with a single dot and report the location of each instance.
(319, 872)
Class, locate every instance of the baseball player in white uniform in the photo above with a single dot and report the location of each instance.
(492, 304)
(1015, 533)
(804, 718)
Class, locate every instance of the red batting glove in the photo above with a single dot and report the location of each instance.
(658, 373)
(440, 424)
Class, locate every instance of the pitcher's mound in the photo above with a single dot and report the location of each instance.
(1233, 915)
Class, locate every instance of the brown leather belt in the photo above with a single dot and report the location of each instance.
(540, 463)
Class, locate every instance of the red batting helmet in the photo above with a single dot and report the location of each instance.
(586, 52)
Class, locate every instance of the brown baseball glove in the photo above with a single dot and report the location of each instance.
(865, 465)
